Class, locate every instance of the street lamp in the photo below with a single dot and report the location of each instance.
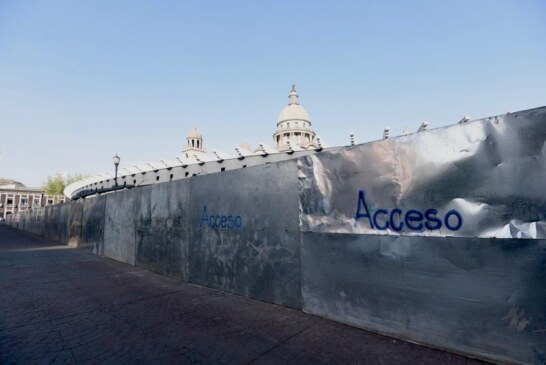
(116, 160)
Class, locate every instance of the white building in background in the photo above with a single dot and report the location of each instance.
(293, 138)
(293, 132)
(294, 126)
(16, 197)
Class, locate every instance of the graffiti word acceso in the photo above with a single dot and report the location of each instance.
(413, 219)
(219, 220)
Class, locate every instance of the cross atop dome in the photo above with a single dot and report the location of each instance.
(293, 97)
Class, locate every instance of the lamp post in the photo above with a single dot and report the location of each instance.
(116, 160)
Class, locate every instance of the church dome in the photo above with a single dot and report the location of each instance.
(293, 112)
(294, 126)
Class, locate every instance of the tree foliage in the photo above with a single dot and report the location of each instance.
(54, 185)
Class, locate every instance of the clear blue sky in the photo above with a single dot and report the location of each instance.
(82, 80)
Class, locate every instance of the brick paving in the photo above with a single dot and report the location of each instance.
(63, 305)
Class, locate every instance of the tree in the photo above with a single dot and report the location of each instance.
(54, 185)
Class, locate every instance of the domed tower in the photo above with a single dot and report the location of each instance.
(194, 142)
(294, 126)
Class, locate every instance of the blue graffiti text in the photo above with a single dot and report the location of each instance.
(220, 220)
(413, 219)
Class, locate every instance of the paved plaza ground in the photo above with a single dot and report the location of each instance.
(64, 305)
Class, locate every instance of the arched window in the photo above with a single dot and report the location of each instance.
(197, 143)
(193, 143)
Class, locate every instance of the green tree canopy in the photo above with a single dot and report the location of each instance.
(54, 185)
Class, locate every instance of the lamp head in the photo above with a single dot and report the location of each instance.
(116, 159)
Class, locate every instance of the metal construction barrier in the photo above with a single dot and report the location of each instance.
(438, 237)
(162, 228)
(245, 233)
(481, 179)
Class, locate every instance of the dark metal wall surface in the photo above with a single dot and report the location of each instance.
(33, 221)
(245, 234)
(484, 297)
(162, 228)
(56, 222)
(93, 219)
(120, 226)
(75, 217)
(389, 236)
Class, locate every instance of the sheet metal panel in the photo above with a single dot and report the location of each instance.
(93, 219)
(58, 220)
(485, 178)
(21, 222)
(162, 228)
(483, 297)
(245, 234)
(26, 220)
(120, 226)
(36, 223)
(31, 219)
(47, 227)
(75, 216)
(53, 223)
(63, 214)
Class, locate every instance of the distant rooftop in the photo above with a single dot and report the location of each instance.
(10, 184)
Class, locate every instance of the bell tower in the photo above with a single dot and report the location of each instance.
(194, 142)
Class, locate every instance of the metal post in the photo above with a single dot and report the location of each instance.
(116, 161)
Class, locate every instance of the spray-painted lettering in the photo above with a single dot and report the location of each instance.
(413, 219)
(220, 220)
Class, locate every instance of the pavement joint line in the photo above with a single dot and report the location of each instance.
(282, 342)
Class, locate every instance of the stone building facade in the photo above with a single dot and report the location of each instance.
(17, 197)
